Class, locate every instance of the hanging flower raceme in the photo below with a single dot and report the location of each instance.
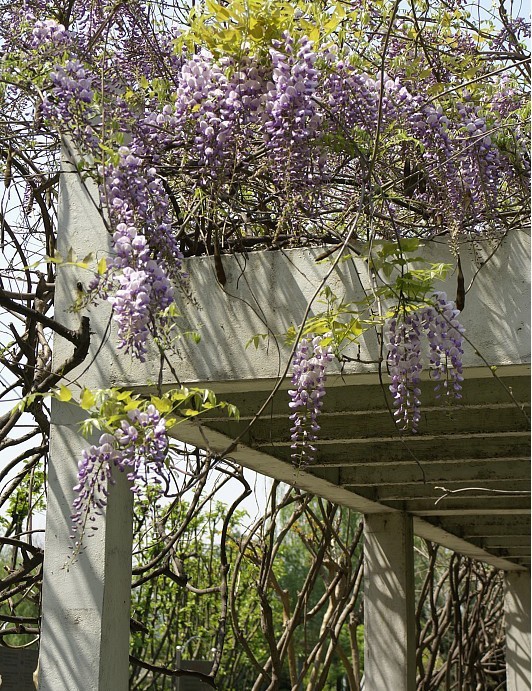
(292, 121)
(308, 378)
(480, 169)
(439, 323)
(445, 336)
(138, 447)
(404, 364)
(138, 279)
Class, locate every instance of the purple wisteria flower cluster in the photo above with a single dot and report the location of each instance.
(70, 103)
(308, 378)
(49, 30)
(404, 338)
(292, 119)
(138, 280)
(516, 29)
(138, 447)
(216, 102)
(480, 171)
(291, 114)
(72, 83)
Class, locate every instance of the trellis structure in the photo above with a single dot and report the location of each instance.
(480, 447)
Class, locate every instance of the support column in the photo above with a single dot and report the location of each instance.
(389, 603)
(86, 609)
(517, 623)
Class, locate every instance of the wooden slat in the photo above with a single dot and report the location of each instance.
(464, 508)
(451, 472)
(429, 491)
(374, 424)
(506, 541)
(426, 448)
(341, 397)
(488, 526)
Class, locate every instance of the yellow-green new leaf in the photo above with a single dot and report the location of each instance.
(64, 394)
(102, 266)
(163, 405)
(87, 400)
(189, 412)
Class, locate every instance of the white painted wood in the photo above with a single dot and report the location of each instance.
(85, 633)
(517, 622)
(266, 292)
(389, 603)
(86, 609)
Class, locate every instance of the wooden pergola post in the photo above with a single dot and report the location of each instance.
(85, 608)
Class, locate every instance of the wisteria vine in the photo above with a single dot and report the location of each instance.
(199, 144)
(308, 377)
(439, 324)
(137, 447)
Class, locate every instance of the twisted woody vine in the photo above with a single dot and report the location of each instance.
(267, 124)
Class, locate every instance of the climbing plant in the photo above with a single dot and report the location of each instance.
(368, 128)
(253, 124)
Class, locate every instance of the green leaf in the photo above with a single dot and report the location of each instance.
(233, 411)
(255, 340)
(131, 405)
(102, 266)
(87, 400)
(356, 328)
(58, 259)
(64, 394)
(163, 405)
(409, 244)
(218, 11)
(88, 426)
(179, 395)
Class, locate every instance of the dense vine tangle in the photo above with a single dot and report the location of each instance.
(262, 132)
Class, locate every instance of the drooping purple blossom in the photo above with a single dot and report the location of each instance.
(404, 367)
(308, 378)
(445, 335)
(480, 163)
(138, 280)
(48, 31)
(516, 29)
(292, 119)
(138, 447)
(70, 103)
(404, 336)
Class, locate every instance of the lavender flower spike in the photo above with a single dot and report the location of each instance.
(444, 334)
(308, 378)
